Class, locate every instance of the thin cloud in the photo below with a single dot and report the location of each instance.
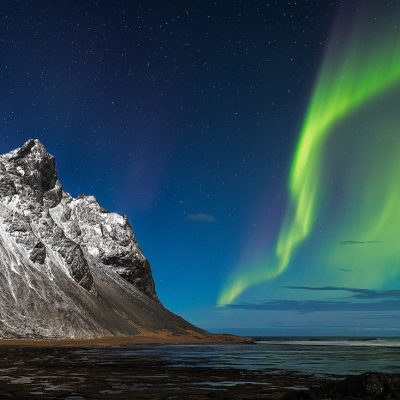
(201, 217)
(357, 293)
(358, 242)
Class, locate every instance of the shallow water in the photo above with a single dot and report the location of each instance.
(322, 356)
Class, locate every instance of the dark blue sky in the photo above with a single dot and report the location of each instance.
(182, 115)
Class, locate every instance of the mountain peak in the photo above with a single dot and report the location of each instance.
(32, 170)
(31, 147)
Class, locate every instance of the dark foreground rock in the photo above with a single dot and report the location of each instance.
(368, 386)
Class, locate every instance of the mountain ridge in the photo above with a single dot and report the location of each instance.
(68, 267)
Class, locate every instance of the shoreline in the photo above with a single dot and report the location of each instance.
(119, 341)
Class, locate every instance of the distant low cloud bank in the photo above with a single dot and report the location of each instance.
(307, 306)
(359, 299)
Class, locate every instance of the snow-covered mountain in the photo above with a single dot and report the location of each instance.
(69, 268)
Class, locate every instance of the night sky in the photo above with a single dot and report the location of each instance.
(185, 116)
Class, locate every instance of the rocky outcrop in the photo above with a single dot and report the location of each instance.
(368, 386)
(106, 237)
(69, 268)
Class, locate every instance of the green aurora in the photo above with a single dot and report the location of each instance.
(348, 109)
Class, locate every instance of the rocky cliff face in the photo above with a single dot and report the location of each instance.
(69, 268)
